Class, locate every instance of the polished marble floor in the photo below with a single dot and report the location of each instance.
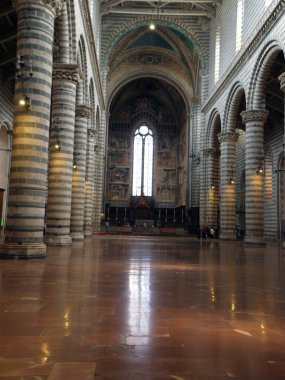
(144, 308)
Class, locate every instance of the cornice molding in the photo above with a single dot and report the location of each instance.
(271, 16)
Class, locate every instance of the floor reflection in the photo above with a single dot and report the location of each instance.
(139, 311)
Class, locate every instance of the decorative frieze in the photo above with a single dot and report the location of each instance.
(66, 72)
(254, 116)
(228, 136)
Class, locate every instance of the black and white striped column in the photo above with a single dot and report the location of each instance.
(65, 79)
(254, 217)
(82, 114)
(28, 178)
(89, 183)
(227, 185)
(212, 186)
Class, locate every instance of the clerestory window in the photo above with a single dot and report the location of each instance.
(143, 161)
(239, 25)
(217, 52)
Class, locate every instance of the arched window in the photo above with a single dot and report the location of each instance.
(239, 25)
(217, 52)
(143, 161)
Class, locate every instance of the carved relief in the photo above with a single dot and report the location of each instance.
(228, 136)
(254, 115)
(210, 152)
(83, 111)
(65, 72)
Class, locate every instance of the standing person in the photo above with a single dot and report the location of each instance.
(106, 225)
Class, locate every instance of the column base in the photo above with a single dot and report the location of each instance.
(88, 233)
(77, 236)
(22, 251)
(254, 241)
(58, 240)
(227, 236)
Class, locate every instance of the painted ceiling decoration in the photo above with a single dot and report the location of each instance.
(151, 38)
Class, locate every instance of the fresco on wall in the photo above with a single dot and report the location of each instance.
(119, 142)
(119, 157)
(118, 192)
(165, 158)
(119, 175)
(166, 176)
(166, 193)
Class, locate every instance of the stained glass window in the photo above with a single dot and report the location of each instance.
(143, 161)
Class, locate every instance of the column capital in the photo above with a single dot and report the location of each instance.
(91, 132)
(210, 152)
(53, 5)
(228, 136)
(69, 72)
(83, 111)
(254, 116)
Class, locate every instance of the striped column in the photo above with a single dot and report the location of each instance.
(212, 185)
(227, 185)
(282, 88)
(28, 177)
(254, 148)
(82, 114)
(65, 79)
(89, 183)
(203, 189)
(63, 36)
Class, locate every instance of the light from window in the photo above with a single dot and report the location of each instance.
(239, 26)
(91, 7)
(143, 161)
(217, 53)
